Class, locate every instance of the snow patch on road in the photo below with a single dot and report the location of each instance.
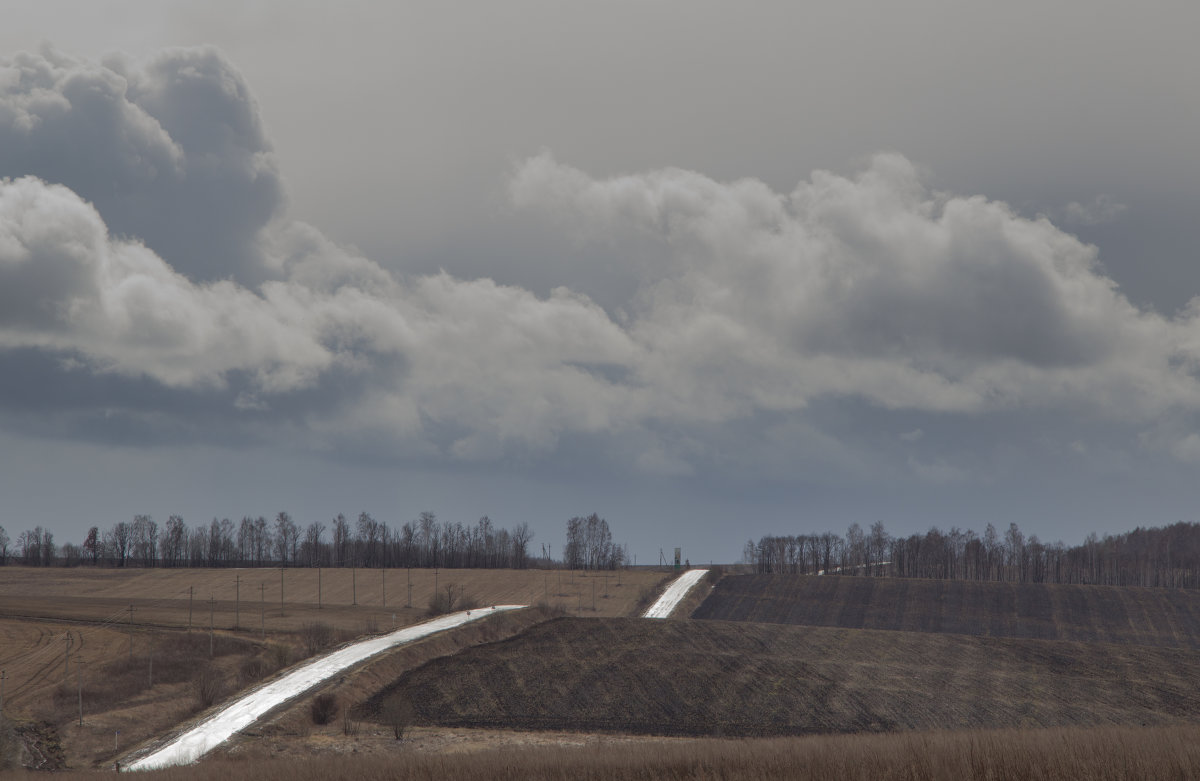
(674, 593)
(241, 713)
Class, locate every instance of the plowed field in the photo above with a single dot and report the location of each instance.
(715, 677)
(1099, 614)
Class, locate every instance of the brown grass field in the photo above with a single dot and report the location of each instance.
(988, 681)
(732, 678)
(1101, 614)
(40, 607)
(1072, 754)
(348, 598)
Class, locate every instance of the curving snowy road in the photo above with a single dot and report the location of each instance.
(674, 593)
(241, 713)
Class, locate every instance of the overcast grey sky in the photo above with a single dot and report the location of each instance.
(710, 271)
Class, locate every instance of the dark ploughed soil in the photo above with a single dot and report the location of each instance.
(731, 678)
(1104, 614)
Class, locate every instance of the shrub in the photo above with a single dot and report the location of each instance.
(253, 669)
(453, 598)
(398, 714)
(316, 637)
(280, 655)
(349, 725)
(208, 685)
(324, 708)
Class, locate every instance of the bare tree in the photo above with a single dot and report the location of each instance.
(116, 540)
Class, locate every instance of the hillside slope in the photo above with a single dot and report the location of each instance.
(1104, 614)
(711, 677)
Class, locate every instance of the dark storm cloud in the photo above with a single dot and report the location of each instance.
(173, 153)
(153, 268)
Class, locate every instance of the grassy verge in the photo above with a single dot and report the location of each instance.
(1061, 754)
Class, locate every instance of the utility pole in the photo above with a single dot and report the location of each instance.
(189, 608)
(263, 595)
(237, 603)
(131, 633)
(211, 623)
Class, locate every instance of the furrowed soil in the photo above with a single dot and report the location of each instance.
(1095, 614)
(737, 678)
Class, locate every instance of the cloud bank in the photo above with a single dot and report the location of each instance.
(144, 235)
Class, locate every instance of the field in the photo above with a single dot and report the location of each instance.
(838, 677)
(1100, 614)
(139, 678)
(1103, 754)
(347, 599)
(727, 678)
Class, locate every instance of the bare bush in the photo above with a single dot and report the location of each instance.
(398, 714)
(316, 637)
(280, 655)
(349, 725)
(208, 686)
(453, 598)
(253, 669)
(324, 708)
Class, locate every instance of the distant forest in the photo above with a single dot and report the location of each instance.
(257, 542)
(1167, 557)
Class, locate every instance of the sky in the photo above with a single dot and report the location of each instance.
(709, 271)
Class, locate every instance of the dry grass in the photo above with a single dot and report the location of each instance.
(355, 687)
(350, 600)
(1059, 754)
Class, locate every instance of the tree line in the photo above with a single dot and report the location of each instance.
(259, 542)
(1164, 557)
(281, 542)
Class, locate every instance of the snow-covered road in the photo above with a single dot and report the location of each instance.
(674, 593)
(208, 734)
